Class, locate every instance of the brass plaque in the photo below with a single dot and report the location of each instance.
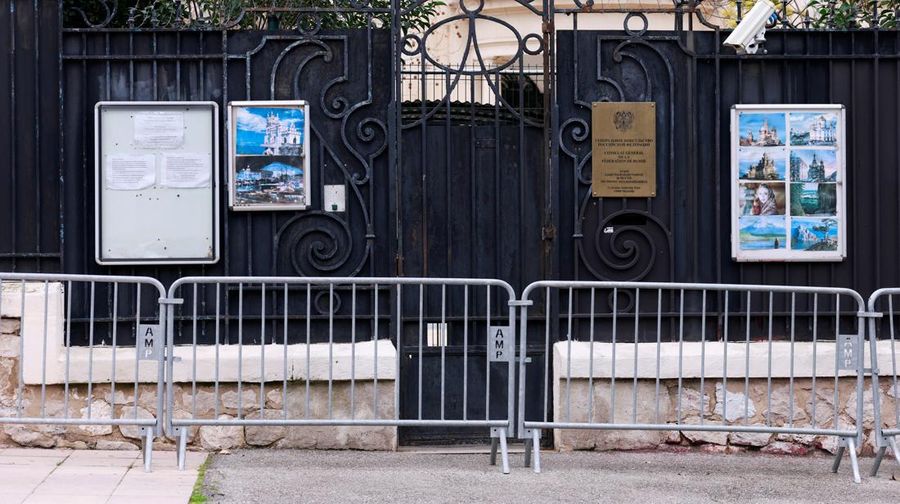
(623, 149)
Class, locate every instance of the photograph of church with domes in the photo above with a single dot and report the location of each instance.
(762, 130)
(269, 131)
(808, 165)
(755, 165)
(269, 162)
(814, 128)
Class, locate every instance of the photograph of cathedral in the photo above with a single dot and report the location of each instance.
(762, 130)
(269, 161)
(814, 129)
(755, 166)
(269, 131)
(813, 165)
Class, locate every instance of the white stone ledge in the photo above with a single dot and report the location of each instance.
(348, 361)
(344, 365)
(692, 365)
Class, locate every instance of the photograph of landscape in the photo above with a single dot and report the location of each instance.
(814, 234)
(762, 232)
(813, 199)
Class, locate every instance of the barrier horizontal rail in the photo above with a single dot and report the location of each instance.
(63, 384)
(313, 352)
(681, 358)
(887, 422)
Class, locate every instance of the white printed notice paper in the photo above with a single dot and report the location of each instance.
(130, 172)
(158, 130)
(186, 170)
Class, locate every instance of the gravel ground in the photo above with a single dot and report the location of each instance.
(267, 476)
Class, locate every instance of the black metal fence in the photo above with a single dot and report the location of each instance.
(470, 168)
(477, 167)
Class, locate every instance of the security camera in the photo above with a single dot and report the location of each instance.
(751, 31)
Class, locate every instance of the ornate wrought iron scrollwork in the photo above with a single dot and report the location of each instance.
(472, 63)
(615, 239)
(626, 244)
(315, 244)
(346, 142)
(98, 15)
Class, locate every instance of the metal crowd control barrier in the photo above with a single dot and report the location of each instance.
(294, 336)
(650, 356)
(83, 339)
(884, 437)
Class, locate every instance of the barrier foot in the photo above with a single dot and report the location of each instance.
(148, 449)
(879, 456)
(837, 459)
(851, 446)
(893, 442)
(536, 446)
(504, 452)
(527, 454)
(494, 443)
(182, 448)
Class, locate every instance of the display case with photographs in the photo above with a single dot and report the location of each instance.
(269, 155)
(788, 190)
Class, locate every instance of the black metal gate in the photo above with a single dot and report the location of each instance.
(476, 167)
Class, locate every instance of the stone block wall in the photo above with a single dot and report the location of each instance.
(715, 402)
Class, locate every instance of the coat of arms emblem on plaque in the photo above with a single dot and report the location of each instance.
(623, 120)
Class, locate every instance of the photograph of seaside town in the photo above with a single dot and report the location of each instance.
(268, 167)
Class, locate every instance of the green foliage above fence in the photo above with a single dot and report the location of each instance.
(303, 15)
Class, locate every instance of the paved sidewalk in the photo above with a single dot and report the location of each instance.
(34, 475)
(268, 476)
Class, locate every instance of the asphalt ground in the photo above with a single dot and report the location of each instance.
(268, 476)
